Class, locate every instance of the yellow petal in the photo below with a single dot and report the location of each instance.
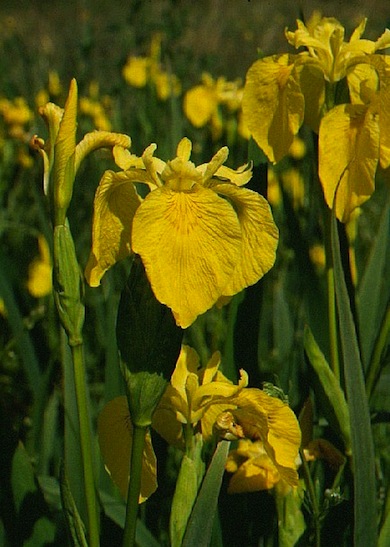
(270, 420)
(199, 104)
(115, 438)
(189, 243)
(211, 368)
(187, 362)
(253, 475)
(384, 119)
(273, 104)
(239, 176)
(348, 157)
(166, 423)
(184, 149)
(259, 237)
(114, 206)
(312, 85)
(99, 139)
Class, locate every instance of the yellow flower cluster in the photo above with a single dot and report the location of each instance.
(202, 104)
(284, 91)
(139, 71)
(203, 399)
(17, 116)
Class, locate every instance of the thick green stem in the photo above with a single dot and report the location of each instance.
(86, 445)
(137, 449)
(332, 313)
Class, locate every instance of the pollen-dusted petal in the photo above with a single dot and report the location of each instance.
(348, 157)
(114, 206)
(189, 243)
(259, 237)
(273, 104)
(115, 432)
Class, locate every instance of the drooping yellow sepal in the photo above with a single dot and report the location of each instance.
(116, 202)
(189, 243)
(348, 157)
(273, 104)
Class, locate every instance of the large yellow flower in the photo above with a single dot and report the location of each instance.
(200, 234)
(195, 396)
(202, 399)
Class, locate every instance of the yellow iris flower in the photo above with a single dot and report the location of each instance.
(40, 271)
(200, 234)
(201, 103)
(284, 91)
(203, 399)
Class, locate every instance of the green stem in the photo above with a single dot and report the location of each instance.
(312, 497)
(374, 366)
(86, 444)
(137, 449)
(332, 313)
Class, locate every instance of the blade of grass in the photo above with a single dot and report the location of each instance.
(365, 529)
(23, 341)
(373, 290)
(200, 525)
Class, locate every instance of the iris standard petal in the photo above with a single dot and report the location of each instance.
(259, 237)
(116, 201)
(189, 243)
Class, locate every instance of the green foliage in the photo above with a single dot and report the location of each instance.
(277, 330)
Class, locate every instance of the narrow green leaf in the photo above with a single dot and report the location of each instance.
(384, 535)
(200, 525)
(25, 348)
(365, 528)
(34, 526)
(73, 520)
(374, 290)
(330, 385)
(187, 484)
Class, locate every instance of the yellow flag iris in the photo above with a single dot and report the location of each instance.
(202, 399)
(200, 234)
(40, 271)
(284, 91)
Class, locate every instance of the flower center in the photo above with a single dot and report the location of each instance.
(180, 175)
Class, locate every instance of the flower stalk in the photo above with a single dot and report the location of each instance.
(139, 433)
